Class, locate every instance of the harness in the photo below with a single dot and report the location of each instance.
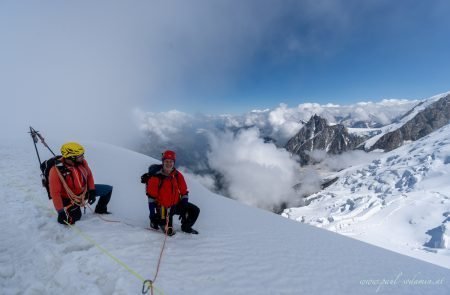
(161, 177)
(78, 200)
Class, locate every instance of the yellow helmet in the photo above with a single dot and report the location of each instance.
(71, 149)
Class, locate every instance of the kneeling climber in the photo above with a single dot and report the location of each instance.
(168, 196)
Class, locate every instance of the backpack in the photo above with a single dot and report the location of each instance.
(152, 170)
(45, 169)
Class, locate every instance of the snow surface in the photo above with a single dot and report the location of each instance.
(240, 249)
(400, 201)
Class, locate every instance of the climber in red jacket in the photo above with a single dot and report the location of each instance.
(168, 196)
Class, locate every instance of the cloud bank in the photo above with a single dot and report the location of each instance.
(279, 124)
(256, 173)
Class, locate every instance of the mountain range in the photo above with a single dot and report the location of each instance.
(317, 134)
(400, 200)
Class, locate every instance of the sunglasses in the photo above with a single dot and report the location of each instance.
(77, 158)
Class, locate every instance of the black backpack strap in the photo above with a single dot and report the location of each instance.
(161, 178)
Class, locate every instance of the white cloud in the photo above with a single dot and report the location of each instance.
(257, 173)
(165, 125)
(310, 182)
(347, 159)
(285, 122)
(317, 156)
(206, 180)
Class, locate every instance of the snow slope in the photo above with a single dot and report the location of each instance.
(240, 250)
(400, 201)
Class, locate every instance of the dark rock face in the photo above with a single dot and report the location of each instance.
(317, 135)
(432, 118)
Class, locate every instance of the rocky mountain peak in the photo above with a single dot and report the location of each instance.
(318, 135)
(423, 123)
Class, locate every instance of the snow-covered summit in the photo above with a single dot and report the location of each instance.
(240, 250)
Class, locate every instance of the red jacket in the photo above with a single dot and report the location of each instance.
(167, 189)
(77, 178)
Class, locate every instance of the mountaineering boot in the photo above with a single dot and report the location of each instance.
(154, 216)
(102, 203)
(154, 224)
(170, 231)
(101, 210)
(189, 214)
(189, 230)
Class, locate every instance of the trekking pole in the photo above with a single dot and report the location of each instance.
(35, 134)
(35, 140)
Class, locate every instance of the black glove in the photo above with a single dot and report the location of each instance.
(63, 218)
(92, 194)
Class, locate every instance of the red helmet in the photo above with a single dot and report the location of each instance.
(169, 155)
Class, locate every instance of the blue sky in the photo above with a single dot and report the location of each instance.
(396, 49)
(217, 56)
